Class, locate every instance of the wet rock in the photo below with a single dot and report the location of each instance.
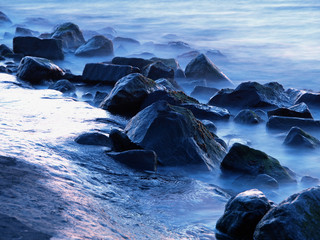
(93, 138)
(5, 51)
(4, 19)
(285, 123)
(202, 68)
(203, 92)
(158, 70)
(128, 94)
(127, 43)
(300, 110)
(32, 46)
(175, 135)
(252, 95)
(262, 181)
(209, 125)
(166, 83)
(297, 137)
(190, 54)
(70, 35)
(108, 31)
(45, 35)
(25, 32)
(242, 214)
(72, 77)
(106, 73)
(120, 141)
(169, 62)
(96, 46)
(145, 160)
(310, 98)
(262, 114)
(34, 69)
(202, 111)
(247, 116)
(296, 218)
(177, 47)
(179, 74)
(135, 62)
(308, 181)
(242, 159)
(99, 97)
(63, 86)
(87, 96)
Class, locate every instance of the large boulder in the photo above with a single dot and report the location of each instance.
(175, 135)
(106, 73)
(247, 116)
(96, 46)
(310, 98)
(135, 62)
(297, 137)
(285, 123)
(202, 68)
(33, 46)
(158, 70)
(242, 159)
(241, 215)
(296, 218)
(63, 86)
(5, 51)
(252, 95)
(70, 34)
(4, 19)
(300, 110)
(34, 69)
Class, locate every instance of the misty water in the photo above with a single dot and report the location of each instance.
(98, 198)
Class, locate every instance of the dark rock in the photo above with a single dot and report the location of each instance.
(70, 35)
(63, 86)
(158, 70)
(175, 135)
(298, 137)
(285, 123)
(202, 68)
(45, 35)
(106, 73)
(247, 116)
(32, 46)
(127, 43)
(203, 92)
(87, 96)
(179, 73)
(3, 69)
(209, 125)
(96, 46)
(242, 159)
(252, 95)
(310, 98)
(34, 69)
(242, 214)
(300, 110)
(145, 160)
(120, 141)
(4, 19)
(296, 218)
(169, 62)
(25, 32)
(93, 138)
(166, 83)
(135, 62)
(142, 55)
(202, 111)
(72, 77)
(5, 51)
(262, 114)
(309, 181)
(99, 97)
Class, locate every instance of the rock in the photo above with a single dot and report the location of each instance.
(179, 74)
(135, 62)
(120, 141)
(309, 181)
(63, 86)
(242, 159)
(297, 137)
(94, 73)
(87, 96)
(169, 62)
(158, 70)
(300, 110)
(214, 54)
(32, 46)
(310, 98)
(252, 95)
(203, 92)
(45, 35)
(96, 46)
(34, 69)
(145, 160)
(25, 32)
(166, 83)
(262, 182)
(128, 94)
(93, 138)
(202, 111)
(209, 125)
(266, 181)
(296, 218)
(99, 97)
(5, 51)
(175, 135)
(72, 77)
(70, 35)
(4, 19)
(190, 54)
(127, 43)
(241, 215)
(202, 68)
(247, 116)
(285, 123)
(108, 31)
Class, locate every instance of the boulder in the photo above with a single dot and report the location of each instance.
(4, 19)
(25, 32)
(95, 46)
(310, 98)
(145, 160)
(169, 62)
(33, 46)
(34, 69)
(247, 116)
(242, 214)
(99, 97)
(94, 73)
(297, 217)
(203, 111)
(175, 135)
(176, 47)
(210, 126)
(242, 159)
(93, 138)
(297, 137)
(300, 110)
(262, 182)
(166, 83)
(202, 68)
(252, 95)
(127, 43)
(158, 70)
(120, 141)
(63, 86)
(5, 51)
(128, 94)
(202, 92)
(70, 35)
(308, 181)
(135, 62)
(285, 123)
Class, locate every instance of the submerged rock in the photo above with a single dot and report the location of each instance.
(33, 46)
(93, 138)
(175, 135)
(241, 215)
(70, 34)
(169, 62)
(285, 123)
(158, 70)
(34, 69)
(247, 116)
(4, 19)
(127, 43)
(203, 92)
(297, 137)
(135, 62)
(308, 181)
(96, 46)
(297, 217)
(300, 110)
(203, 111)
(167, 84)
(63, 86)
(25, 32)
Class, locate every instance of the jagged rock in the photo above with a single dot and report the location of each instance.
(34, 69)
(70, 34)
(96, 46)
(158, 70)
(285, 123)
(247, 116)
(296, 218)
(297, 137)
(203, 92)
(310, 98)
(242, 214)
(242, 159)
(33, 46)
(261, 181)
(4, 19)
(135, 62)
(300, 110)
(120, 141)
(106, 73)
(5, 51)
(25, 32)
(93, 138)
(63, 86)
(175, 135)
(177, 47)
